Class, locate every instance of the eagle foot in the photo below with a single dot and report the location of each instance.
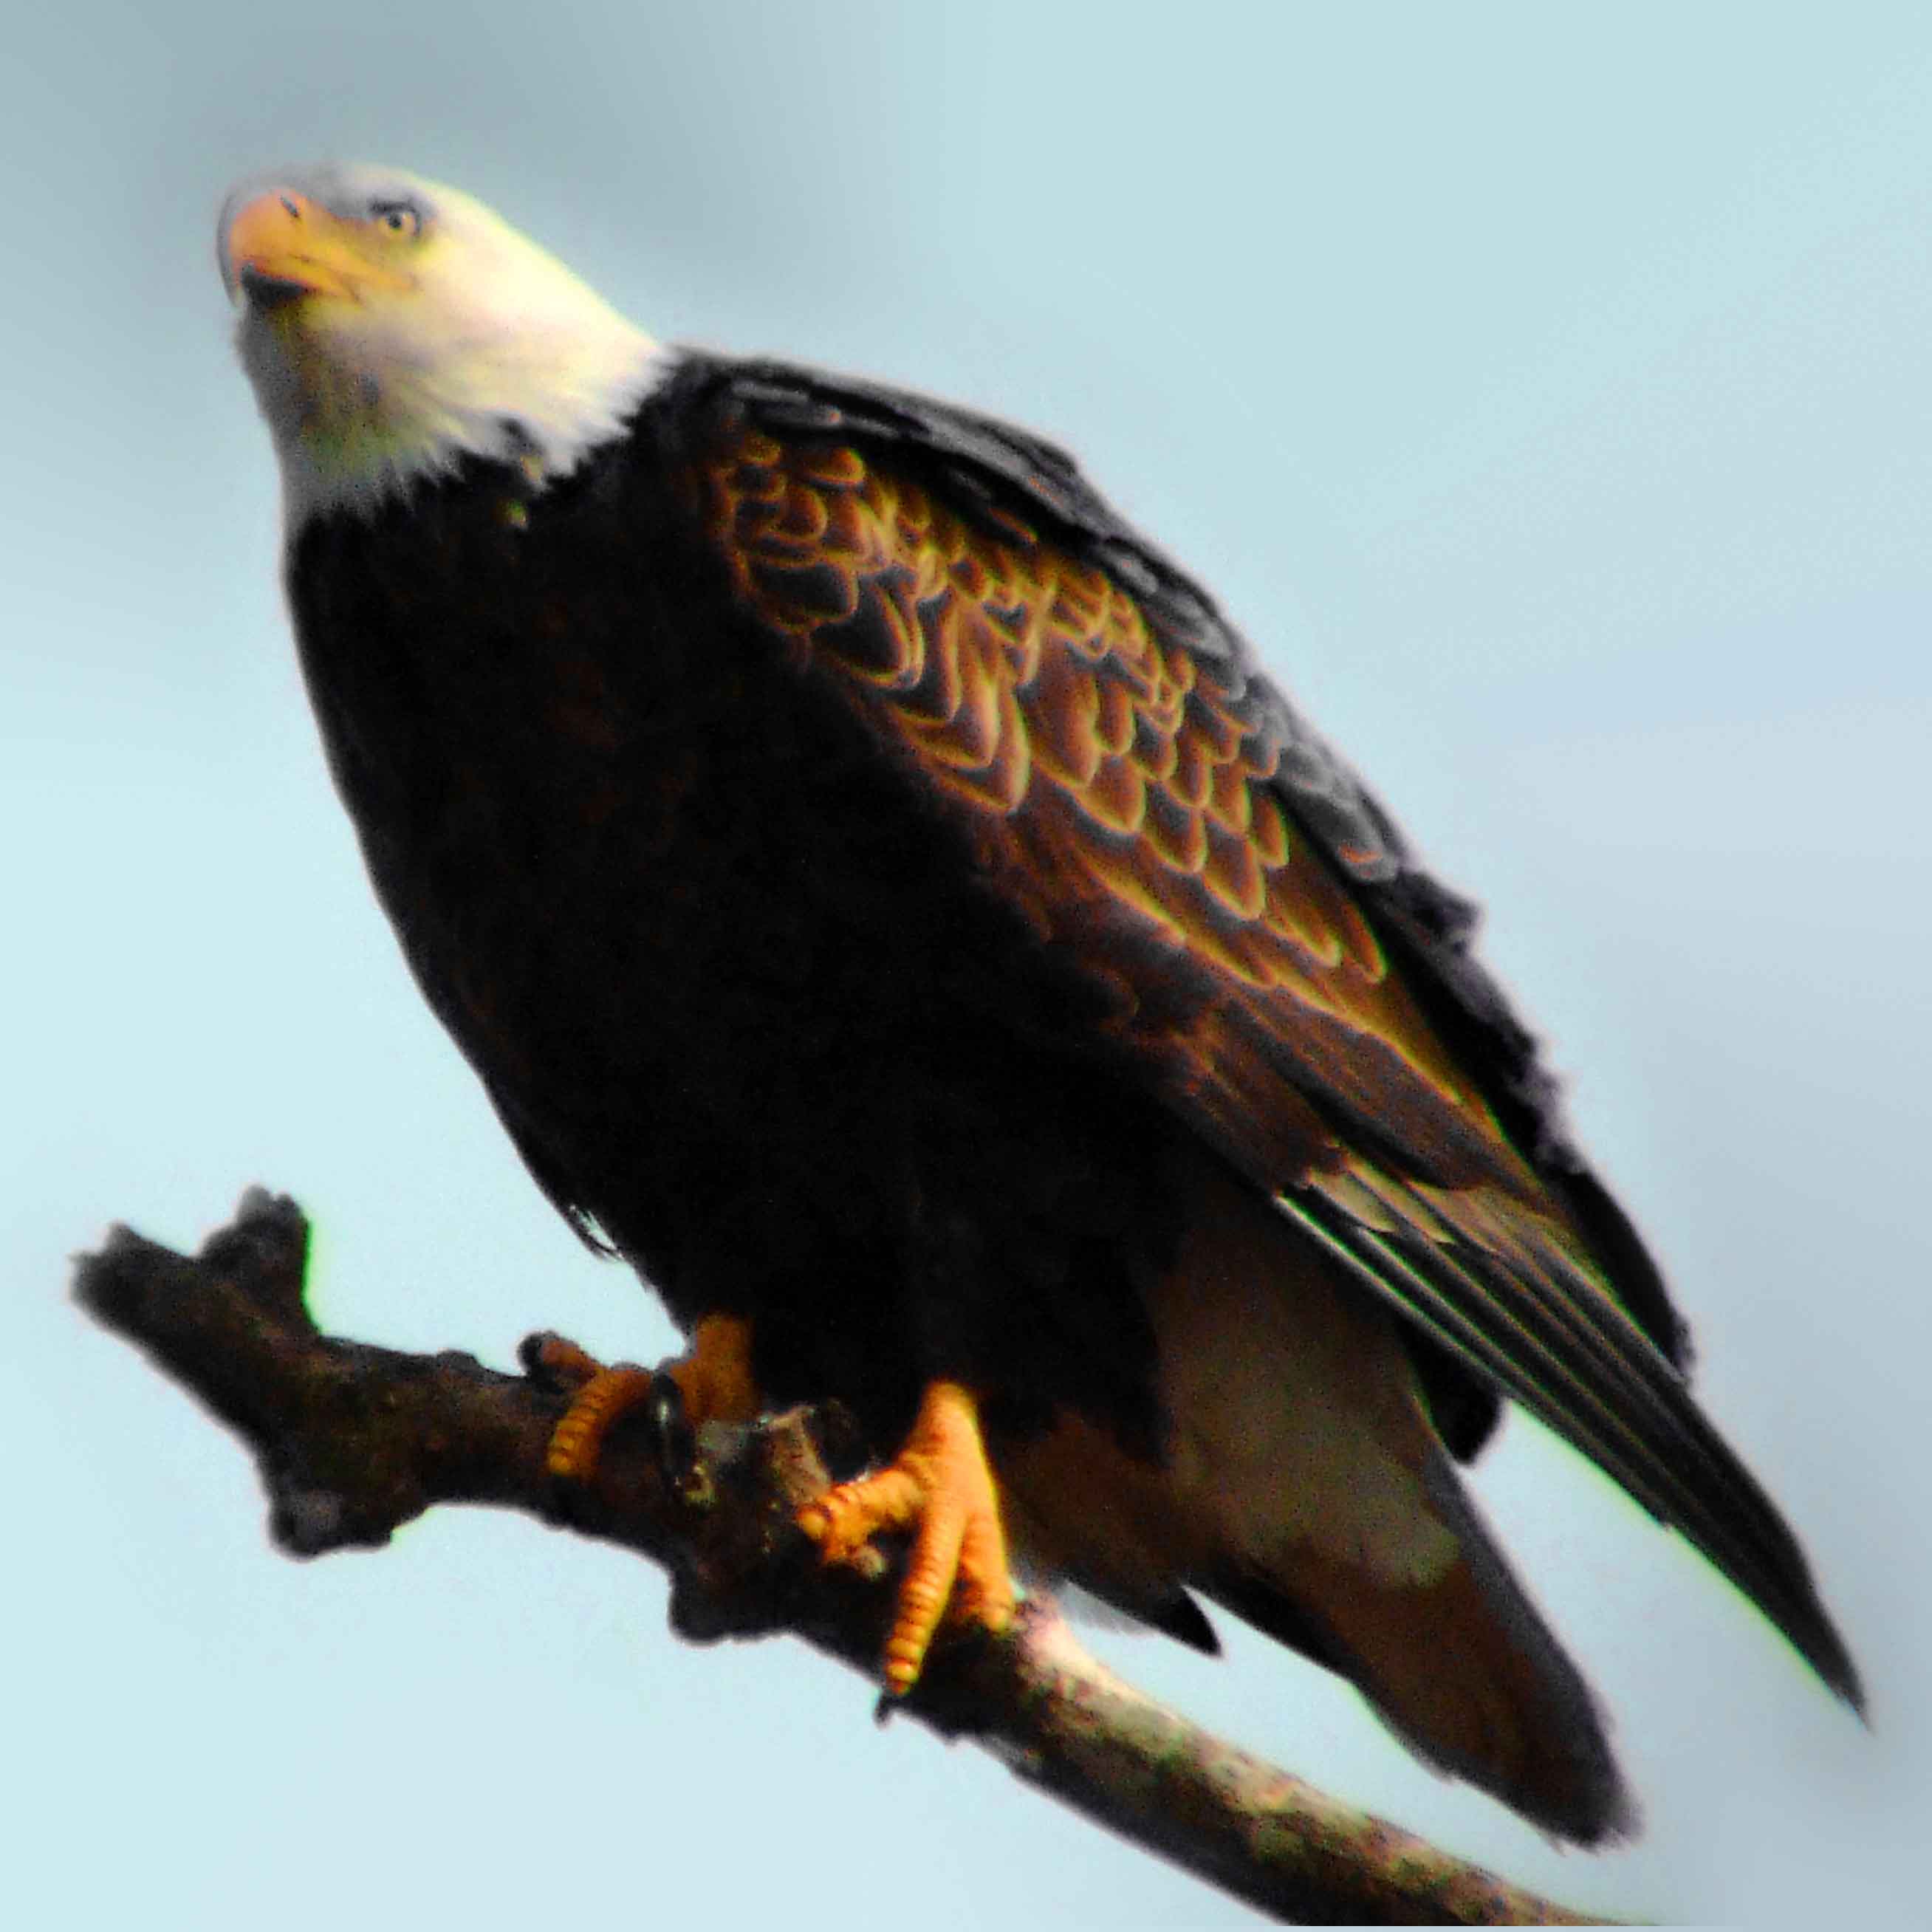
(939, 1490)
(712, 1383)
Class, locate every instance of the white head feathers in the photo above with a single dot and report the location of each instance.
(392, 327)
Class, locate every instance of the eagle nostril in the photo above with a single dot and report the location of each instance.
(289, 201)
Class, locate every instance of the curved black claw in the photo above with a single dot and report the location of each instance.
(601, 1399)
(554, 1362)
(671, 1429)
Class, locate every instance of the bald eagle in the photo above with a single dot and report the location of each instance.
(885, 905)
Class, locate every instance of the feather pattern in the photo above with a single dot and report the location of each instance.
(1286, 978)
(886, 906)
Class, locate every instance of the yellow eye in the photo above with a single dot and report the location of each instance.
(397, 218)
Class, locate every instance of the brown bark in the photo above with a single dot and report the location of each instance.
(353, 1441)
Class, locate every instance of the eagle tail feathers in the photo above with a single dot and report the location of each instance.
(1460, 1665)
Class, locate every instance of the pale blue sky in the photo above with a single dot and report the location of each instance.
(1547, 391)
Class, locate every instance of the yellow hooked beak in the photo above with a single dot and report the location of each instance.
(281, 246)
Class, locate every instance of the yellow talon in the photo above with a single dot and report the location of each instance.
(576, 1442)
(714, 1378)
(939, 1488)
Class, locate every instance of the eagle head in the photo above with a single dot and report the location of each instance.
(391, 327)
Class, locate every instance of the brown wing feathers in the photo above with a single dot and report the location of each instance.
(1111, 760)
(1168, 824)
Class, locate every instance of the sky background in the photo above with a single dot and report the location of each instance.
(1545, 390)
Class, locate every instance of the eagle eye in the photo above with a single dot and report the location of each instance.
(402, 218)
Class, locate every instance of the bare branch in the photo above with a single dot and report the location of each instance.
(354, 1441)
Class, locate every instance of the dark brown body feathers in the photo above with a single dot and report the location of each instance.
(881, 898)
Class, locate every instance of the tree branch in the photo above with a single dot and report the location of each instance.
(353, 1441)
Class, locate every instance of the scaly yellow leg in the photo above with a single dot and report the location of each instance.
(939, 1488)
(714, 1378)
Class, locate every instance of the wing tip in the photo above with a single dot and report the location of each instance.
(1704, 1492)
(1806, 1626)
